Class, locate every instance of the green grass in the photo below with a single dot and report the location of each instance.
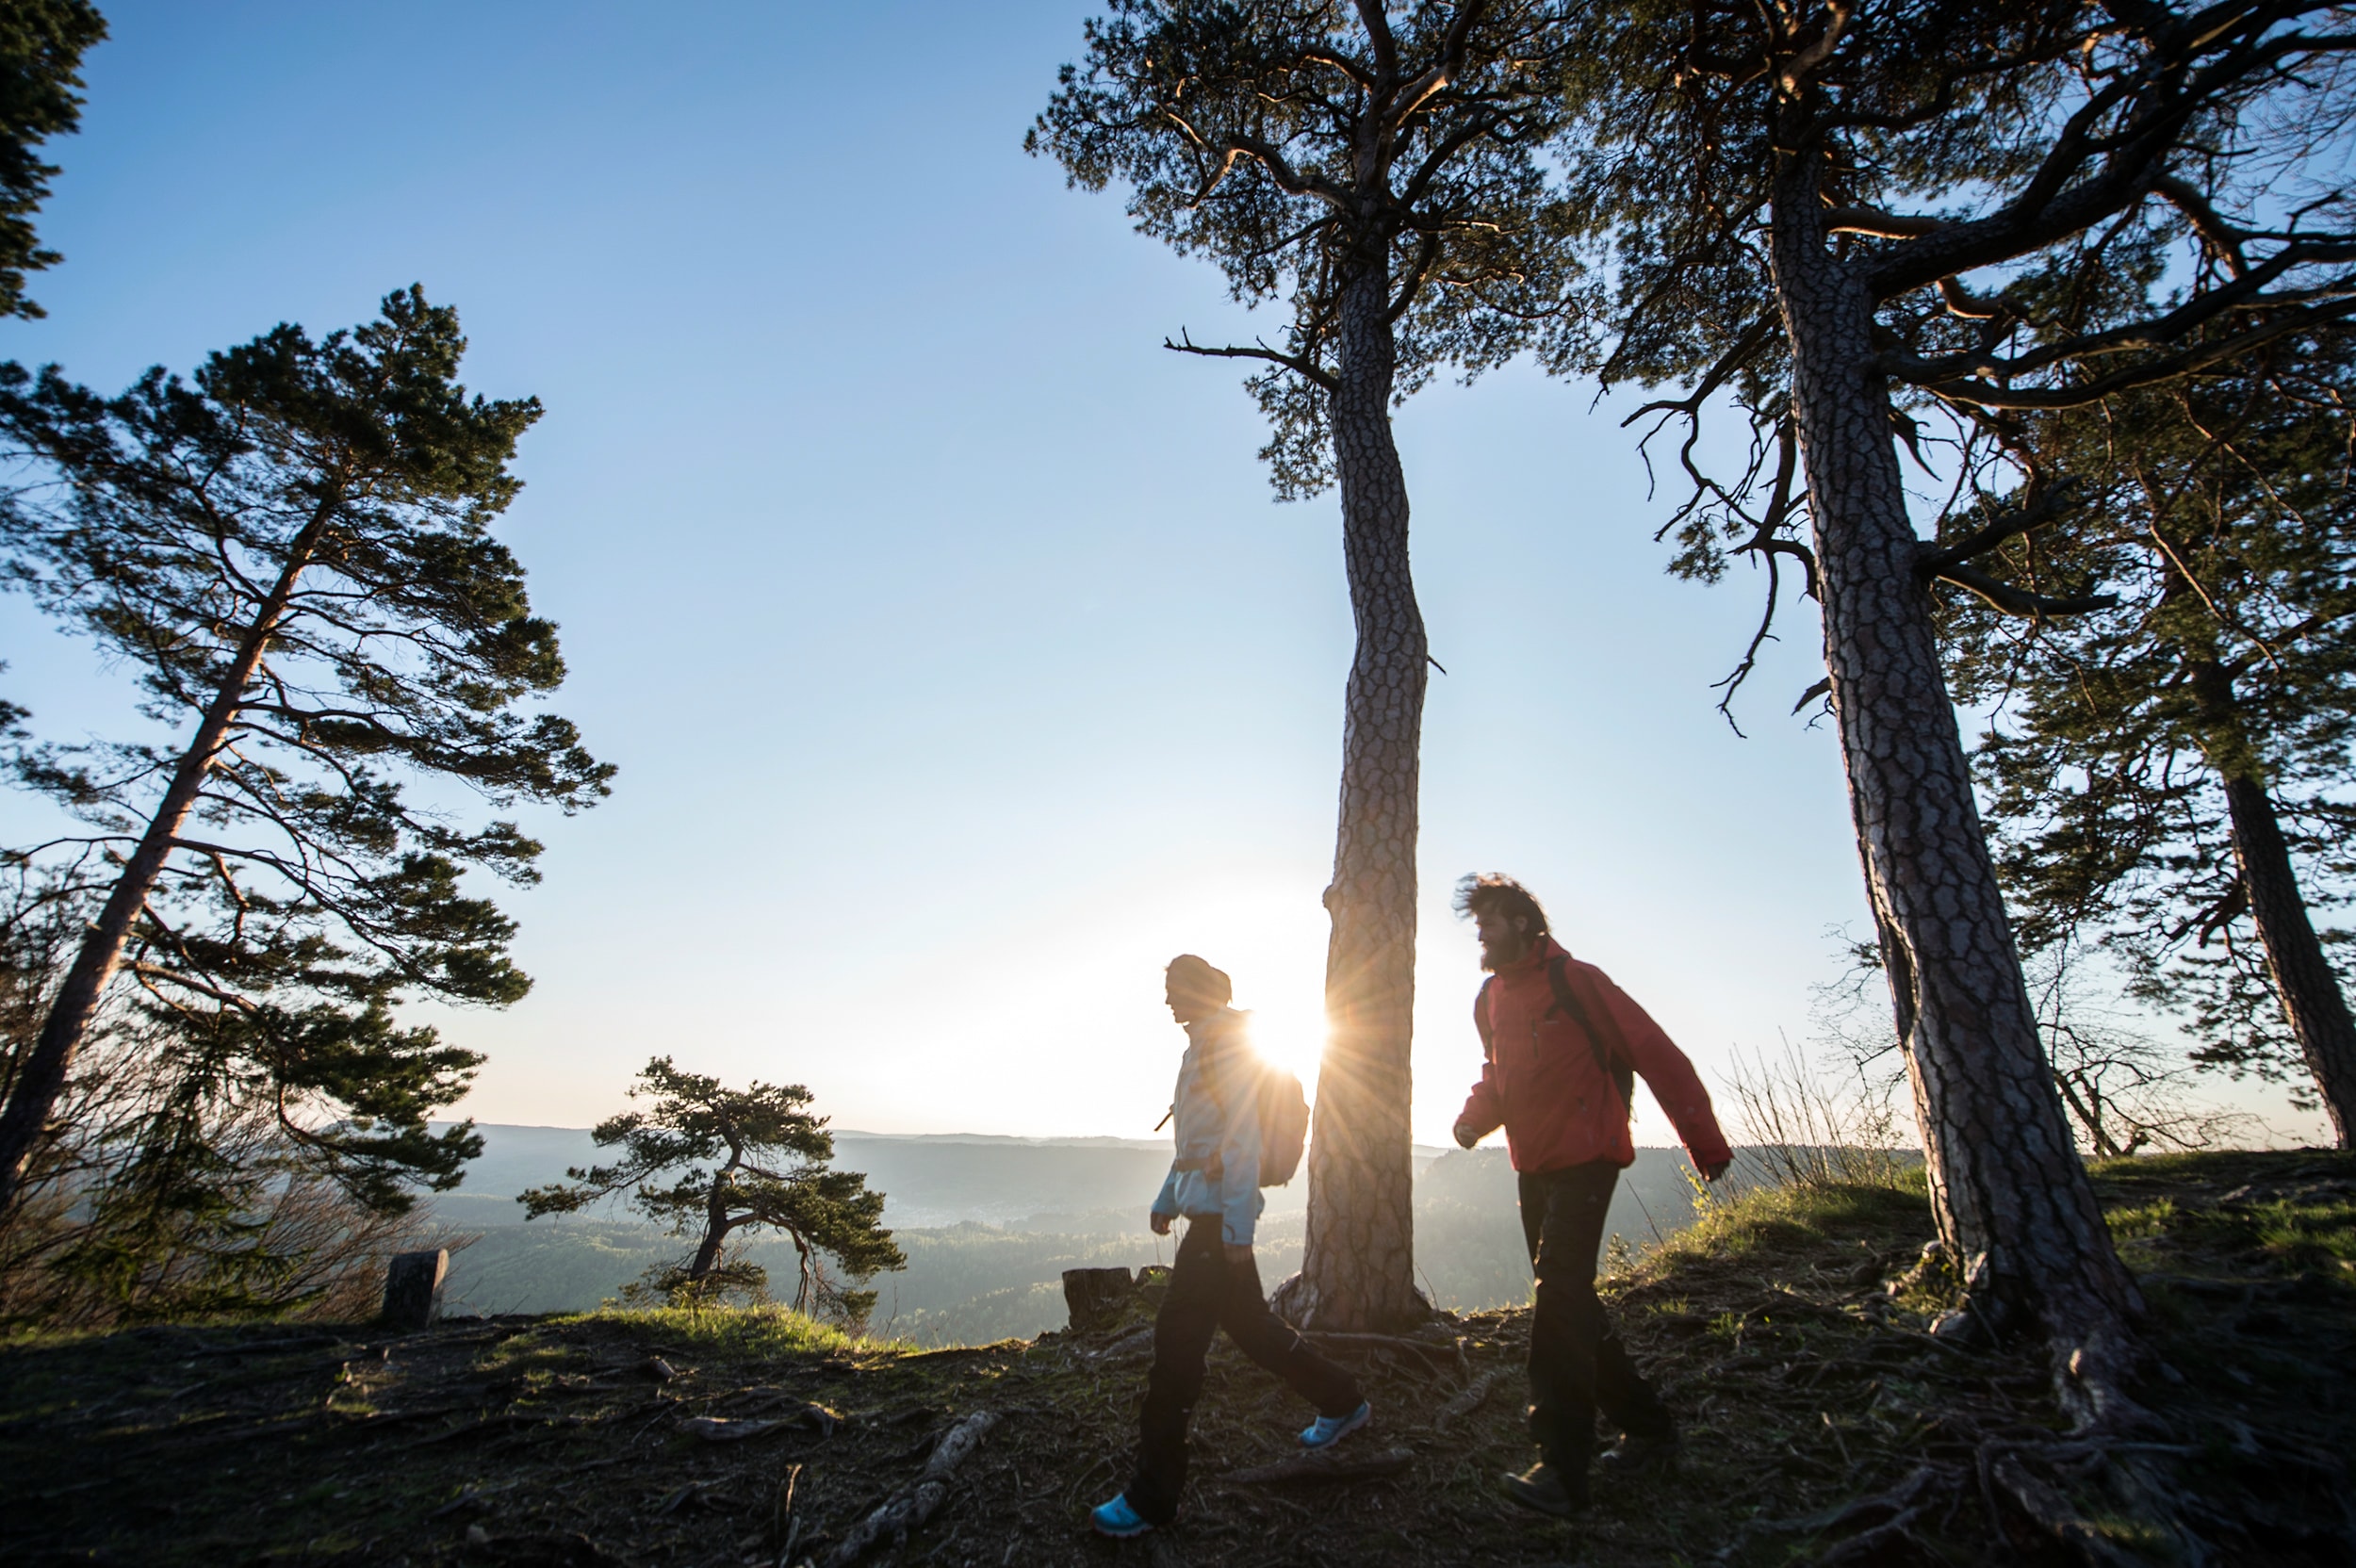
(2308, 1234)
(748, 1332)
(2144, 1220)
(1775, 1219)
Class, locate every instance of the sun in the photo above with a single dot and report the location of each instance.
(1291, 1037)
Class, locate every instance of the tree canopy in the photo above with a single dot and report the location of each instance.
(1298, 147)
(2042, 207)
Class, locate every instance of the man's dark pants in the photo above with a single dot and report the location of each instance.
(1207, 1294)
(1577, 1360)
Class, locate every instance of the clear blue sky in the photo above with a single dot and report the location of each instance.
(959, 667)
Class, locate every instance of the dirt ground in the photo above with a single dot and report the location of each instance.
(1822, 1422)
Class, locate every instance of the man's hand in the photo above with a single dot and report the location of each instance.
(1465, 1136)
(1715, 1168)
(1160, 1223)
(1239, 1255)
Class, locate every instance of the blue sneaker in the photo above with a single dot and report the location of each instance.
(1326, 1430)
(1119, 1520)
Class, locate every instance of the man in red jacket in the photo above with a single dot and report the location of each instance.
(1561, 1042)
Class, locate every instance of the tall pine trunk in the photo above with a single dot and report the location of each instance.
(2012, 1200)
(42, 1076)
(2303, 978)
(1358, 1270)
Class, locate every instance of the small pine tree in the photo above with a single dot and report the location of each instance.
(770, 1172)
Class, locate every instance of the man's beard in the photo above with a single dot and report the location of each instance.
(1492, 961)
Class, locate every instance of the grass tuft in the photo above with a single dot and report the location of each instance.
(1775, 1219)
(735, 1332)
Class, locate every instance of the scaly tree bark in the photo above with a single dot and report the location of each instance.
(1377, 173)
(2014, 1204)
(1836, 221)
(1358, 1263)
(2303, 976)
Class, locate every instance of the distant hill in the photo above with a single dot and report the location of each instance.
(928, 1179)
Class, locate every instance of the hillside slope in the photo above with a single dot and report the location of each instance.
(1823, 1424)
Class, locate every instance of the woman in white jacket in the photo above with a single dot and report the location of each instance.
(1213, 1185)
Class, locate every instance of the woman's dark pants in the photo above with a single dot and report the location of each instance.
(1206, 1293)
(1577, 1360)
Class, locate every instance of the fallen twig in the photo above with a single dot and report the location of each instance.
(912, 1508)
(729, 1429)
(1475, 1394)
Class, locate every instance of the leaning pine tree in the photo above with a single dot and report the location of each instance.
(1850, 218)
(712, 1162)
(293, 549)
(1377, 172)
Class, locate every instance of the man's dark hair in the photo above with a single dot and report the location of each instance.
(1477, 895)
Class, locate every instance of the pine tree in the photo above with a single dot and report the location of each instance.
(753, 1159)
(1846, 221)
(294, 552)
(1375, 170)
(41, 45)
(2169, 776)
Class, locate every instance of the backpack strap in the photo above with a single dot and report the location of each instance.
(1208, 1070)
(1619, 1071)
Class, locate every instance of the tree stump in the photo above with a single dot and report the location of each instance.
(413, 1289)
(1097, 1298)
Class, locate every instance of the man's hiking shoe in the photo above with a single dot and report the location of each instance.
(1326, 1430)
(1119, 1520)
(1541, 1487)
(1639, 1455)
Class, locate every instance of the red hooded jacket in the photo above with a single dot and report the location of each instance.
(1544, 1085)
